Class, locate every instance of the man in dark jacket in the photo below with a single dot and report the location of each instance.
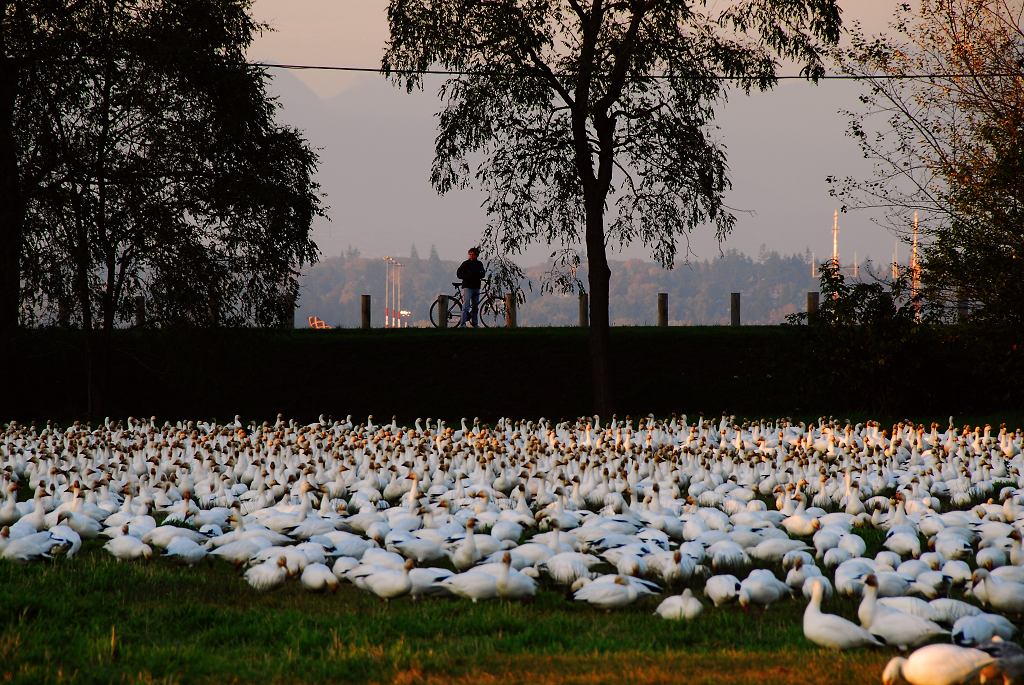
(471, 272)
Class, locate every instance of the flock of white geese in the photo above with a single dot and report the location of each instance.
(754, 513)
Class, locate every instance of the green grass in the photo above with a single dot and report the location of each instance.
(94, 619)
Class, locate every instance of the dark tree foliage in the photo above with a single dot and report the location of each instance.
(154, 168)
(30, 44)
(589, 122)
(867, 334)
(948, 144)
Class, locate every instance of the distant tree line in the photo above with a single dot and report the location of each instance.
(772, 286)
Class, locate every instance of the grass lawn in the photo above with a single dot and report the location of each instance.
(94, 619)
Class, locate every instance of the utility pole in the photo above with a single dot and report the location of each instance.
(835, 240)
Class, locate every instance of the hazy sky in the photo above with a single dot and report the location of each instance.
(376, 145)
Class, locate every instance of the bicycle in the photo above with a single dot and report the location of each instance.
(490, 308)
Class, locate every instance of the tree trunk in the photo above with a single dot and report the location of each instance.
(12, 206)
(599, 275)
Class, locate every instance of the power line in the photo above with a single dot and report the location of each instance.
(717, 77)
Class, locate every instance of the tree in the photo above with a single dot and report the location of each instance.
(588, 121)
(947, 137)
(157, 170)
(152, 167)
(30, 42)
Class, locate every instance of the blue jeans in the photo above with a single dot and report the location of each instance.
(470, 304)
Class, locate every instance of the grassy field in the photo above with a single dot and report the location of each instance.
(94, 619)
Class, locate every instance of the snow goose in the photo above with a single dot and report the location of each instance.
(185, 549)
(975, 629)
(68, 541)
(473, 585)
(389, 583)
(613, 595)
(427, 581)
(1004, 596)
(29, 547)
(240, 551)
(936, 665)
(9, 513)
(126, 547)
(161, 536)
(910, 605)
(948, 611)
(893, 626)
(316, 577)
(567, 567)
(466, 554)
(721, 589)
(761, 587)
(417, 548)
(680, 607)
(268, 575)
(512, 584)
(828, 630)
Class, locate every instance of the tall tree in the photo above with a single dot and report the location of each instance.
(153, 168)
(30, 45)
(159, 171)
(588, 121)
(947, 139)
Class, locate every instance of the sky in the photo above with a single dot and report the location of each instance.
(376, 144)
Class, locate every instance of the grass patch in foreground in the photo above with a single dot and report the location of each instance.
(93, 619)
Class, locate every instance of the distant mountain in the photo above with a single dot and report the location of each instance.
(771, 287)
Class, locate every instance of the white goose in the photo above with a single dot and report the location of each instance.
(29, 547)
(828, 630)
(936, 665)
(1004, 596)
(389, 583)
(317, 577)
(268, 575)
(680, 607)
(186, 550)
(895, 627)
(614, 595)
(127, 547)
(473, 585)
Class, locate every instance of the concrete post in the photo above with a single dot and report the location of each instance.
(584, 310)
(442, 311)
(812, 306)
(365, 302)
(735, 309)
(663, 309)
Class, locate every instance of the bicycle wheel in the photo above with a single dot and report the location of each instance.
(454, 313)
(492, 312)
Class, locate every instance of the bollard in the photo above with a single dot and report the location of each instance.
(442, 311)
(510, 311)
(735, 309)
(812, 306)
(663, 309)
(140, 311)
(365, 301)
(584, 310)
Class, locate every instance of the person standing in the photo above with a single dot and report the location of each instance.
(471, 272)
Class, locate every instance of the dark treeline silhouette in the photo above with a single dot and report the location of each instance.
(772, 287)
